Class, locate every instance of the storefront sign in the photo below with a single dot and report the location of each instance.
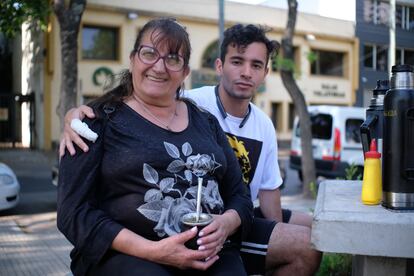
(102, 75)
(329, 90)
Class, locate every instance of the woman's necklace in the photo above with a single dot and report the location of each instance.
(146, 110)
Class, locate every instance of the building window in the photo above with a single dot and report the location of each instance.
(376, 11)
(410, 19)
(399, 16)
(368, 11)
(404, 17)
(277, 62)
(210, 55)
(408, 57)
(99, 43)
(328, 63)
(369, 56)
(398, 56)
(376, 57)
(382, 58)
(276, 116)
(404, 56)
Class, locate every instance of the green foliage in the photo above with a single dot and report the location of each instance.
(284, 64)
(103, 46)
(312, 57)
(335, 265)
(210, 55)
(14, 13)
(314, 189)
(353, 172)
(281, 63)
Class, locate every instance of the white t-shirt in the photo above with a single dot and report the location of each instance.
(257, 138)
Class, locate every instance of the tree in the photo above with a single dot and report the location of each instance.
(14, 13)
(69, 17)
(28, 18)
(308, 164)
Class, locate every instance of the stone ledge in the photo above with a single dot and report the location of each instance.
(342, 224)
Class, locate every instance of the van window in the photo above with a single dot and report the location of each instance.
(352, 133)
(321, 126)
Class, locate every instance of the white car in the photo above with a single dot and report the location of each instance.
(336, 140)
(9, 188)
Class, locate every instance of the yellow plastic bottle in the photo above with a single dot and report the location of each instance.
(372, 182)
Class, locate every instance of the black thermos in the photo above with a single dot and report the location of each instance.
(398, 143)
(372, 127)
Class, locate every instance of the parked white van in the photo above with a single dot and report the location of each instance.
(336, 140)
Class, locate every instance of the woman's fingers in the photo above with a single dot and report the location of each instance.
(212, 238)
(83, 111)
(205, 264)
(186, 235)
(62, 146)
(173, 252)
(70, 136)
(75, 138)
(67, 141)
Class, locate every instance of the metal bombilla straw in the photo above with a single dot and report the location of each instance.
(198, 210)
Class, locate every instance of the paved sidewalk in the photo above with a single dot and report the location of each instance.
(298, 203)
(32, 245)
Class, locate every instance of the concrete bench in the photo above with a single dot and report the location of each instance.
(381, 241)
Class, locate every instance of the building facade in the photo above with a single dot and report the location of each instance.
(372, 30)
(326, 54)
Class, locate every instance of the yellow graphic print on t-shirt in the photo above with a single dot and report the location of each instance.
(242, 156)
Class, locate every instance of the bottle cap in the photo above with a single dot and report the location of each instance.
(381, 88)
(373, 153)
(402, 68)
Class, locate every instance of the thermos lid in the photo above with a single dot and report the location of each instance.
(373, 153)
(381, 88)
(402, 77)
(402, 68)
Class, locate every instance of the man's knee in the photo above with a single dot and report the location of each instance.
(301, 218)
(290, 244)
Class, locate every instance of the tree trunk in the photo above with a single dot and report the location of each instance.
(308, 164)
(69, 19)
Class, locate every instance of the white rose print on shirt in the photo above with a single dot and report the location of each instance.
(161, 207)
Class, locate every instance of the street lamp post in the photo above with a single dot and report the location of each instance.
(391, 50)
(221, 23)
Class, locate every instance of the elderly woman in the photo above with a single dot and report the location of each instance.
(120, 205)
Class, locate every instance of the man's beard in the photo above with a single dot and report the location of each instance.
(235, 95)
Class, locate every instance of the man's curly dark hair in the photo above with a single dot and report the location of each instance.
(241, 36)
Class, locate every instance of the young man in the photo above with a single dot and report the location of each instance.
(280, 240)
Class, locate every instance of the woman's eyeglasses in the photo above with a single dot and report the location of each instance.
(150, 56)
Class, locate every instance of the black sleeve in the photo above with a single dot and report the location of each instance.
(88, 228)
(235, 194)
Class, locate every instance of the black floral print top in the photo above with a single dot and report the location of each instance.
(144, 178)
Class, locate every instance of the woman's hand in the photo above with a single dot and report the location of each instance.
(169, 251)
(172, 251)
(213, 236)
(69, 135)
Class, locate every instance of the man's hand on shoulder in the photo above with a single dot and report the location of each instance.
(69, 136)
